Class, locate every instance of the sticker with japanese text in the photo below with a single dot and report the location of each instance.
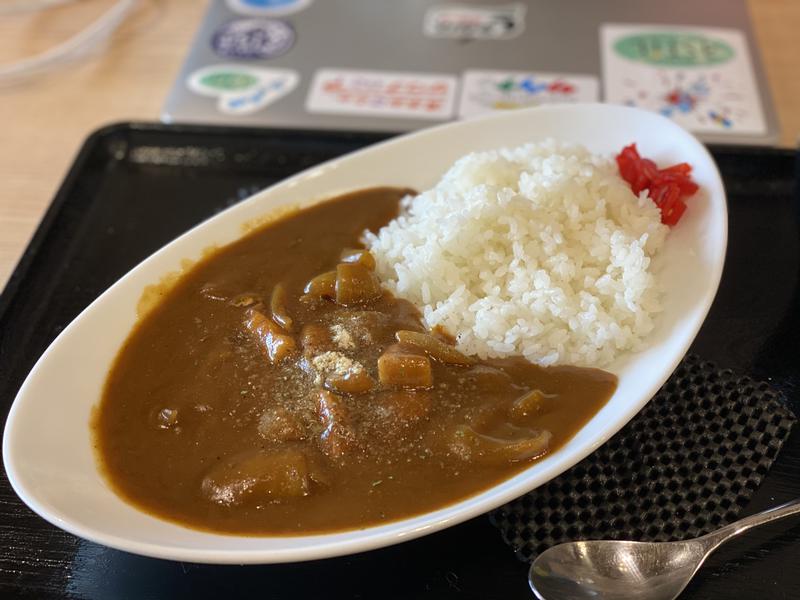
(702, 78)
(382, 94)
(484, 92)
(240, 89)
(474, 22)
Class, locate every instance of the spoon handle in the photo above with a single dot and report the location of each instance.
(722, 535)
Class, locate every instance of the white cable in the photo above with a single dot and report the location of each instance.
(24, 6)
(76, 46)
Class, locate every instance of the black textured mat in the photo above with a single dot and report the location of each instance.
(682, 467)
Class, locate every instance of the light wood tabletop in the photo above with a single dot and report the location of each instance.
(45, 120)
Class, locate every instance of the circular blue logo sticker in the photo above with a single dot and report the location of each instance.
(267, 7)
(253, 38)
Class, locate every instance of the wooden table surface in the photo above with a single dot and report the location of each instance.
(45, 120)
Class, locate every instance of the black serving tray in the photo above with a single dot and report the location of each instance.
(134, 187)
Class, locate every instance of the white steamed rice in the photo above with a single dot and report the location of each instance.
(541, 251)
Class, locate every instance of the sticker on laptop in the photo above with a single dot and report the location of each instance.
(242, 90)
(253, 39)
(483, 92)
(267, 8)
(382, 94)
(702, 78)
(475, 22)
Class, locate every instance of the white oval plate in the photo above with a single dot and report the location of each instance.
(47, 445)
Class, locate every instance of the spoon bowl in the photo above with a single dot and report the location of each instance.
(616, 570)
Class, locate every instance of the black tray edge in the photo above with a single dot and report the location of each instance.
(23, 265)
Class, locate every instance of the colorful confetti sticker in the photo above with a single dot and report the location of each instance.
(242, 90)
(253, 39)
(268, 8)
(475, 22)
(382, 94)
(702, 78)
(484, 92)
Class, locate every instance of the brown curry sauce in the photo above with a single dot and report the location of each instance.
(242, 404)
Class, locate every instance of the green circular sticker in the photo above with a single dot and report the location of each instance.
(228, 81)
(242, 90)
(674, 49)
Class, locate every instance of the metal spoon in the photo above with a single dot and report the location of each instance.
(618, 570)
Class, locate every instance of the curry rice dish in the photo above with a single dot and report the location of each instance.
(277, 388)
